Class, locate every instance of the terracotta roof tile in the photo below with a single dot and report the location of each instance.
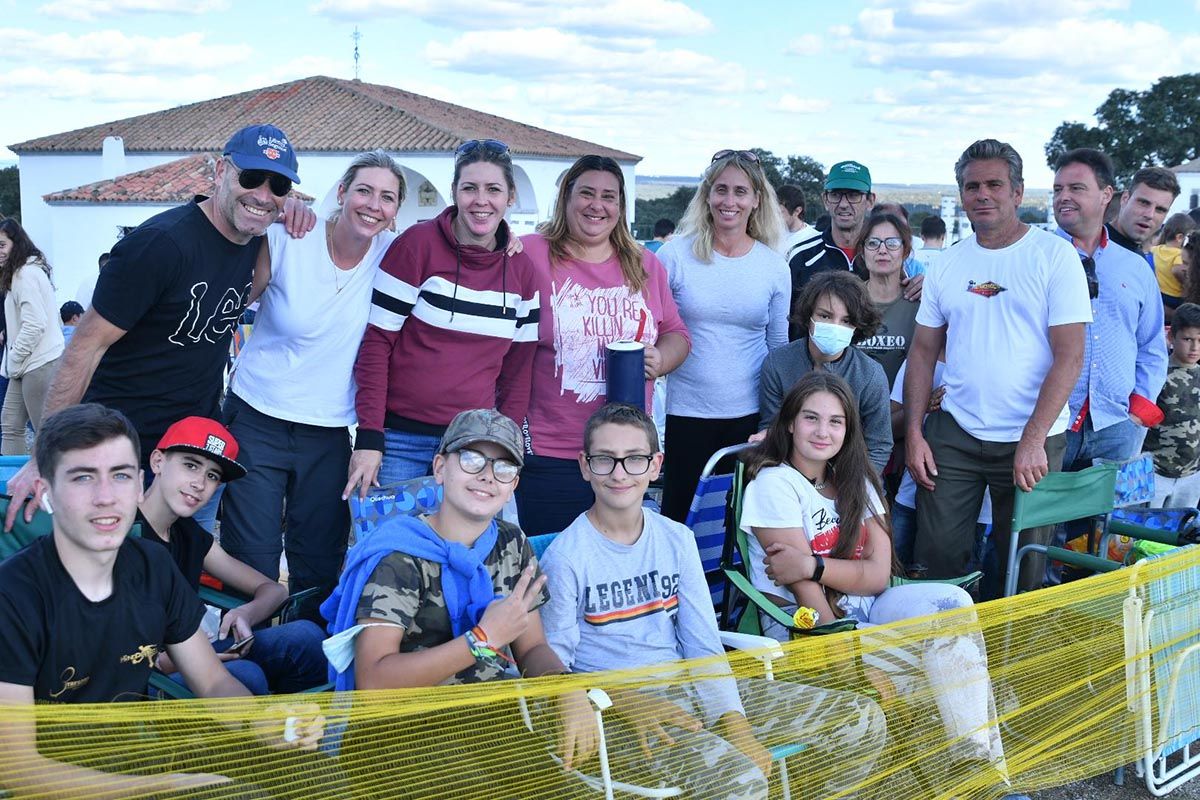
(174, 182)
(1188, 166)
(321, 114)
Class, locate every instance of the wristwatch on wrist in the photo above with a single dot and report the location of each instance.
(818, 568)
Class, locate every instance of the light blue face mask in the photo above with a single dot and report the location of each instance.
(339, 649)
(829, 338)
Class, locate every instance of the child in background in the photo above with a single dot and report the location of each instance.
(70, 313)
(1169, 267)
(1175, 442)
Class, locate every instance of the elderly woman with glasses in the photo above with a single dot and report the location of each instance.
(732, 289)
(883, 246)
(291, 392)
(597, 285)
(453, 326)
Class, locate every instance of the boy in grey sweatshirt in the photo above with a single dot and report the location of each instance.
(627, 590)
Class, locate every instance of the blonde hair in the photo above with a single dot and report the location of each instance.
(765, 223)
(558, 233)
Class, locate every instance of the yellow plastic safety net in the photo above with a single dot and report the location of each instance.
(1029, 692)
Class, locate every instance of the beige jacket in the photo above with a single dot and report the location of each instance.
(33, 328)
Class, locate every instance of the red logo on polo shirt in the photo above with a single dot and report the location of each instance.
(988, 289)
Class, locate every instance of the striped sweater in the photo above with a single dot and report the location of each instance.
(452, 327)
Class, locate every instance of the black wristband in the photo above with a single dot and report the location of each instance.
(818, 568)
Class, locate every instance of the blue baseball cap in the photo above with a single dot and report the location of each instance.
(263, 147)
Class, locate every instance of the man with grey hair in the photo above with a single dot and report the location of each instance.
(1009, 305)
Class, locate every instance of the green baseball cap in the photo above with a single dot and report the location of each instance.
(848, 175)
(484, 425)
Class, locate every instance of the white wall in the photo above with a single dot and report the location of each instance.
(81, 232)
(1189, 194)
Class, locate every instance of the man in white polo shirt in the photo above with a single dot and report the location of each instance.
(1009, 304)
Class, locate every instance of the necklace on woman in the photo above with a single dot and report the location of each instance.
(817, 484)
(333, 261)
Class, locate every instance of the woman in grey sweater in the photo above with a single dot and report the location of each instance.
(732, 289)
(838, 314)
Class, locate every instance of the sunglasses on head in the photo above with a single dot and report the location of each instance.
(254, 178)
(745, 155)
(487, 145)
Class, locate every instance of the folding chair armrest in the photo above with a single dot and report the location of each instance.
(1162, 536)
(1081, 560)
(966, 581)
(764, 648)
(760, 600)
(169, 688)
(222, 600)
(287, 611)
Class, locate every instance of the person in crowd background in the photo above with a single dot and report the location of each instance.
(1169, 268)
(597, 285)
(1144, 206)
(712, 398)
(1175, 442)
(792, 206)
(291, 391)
(33, 334)
(1009, 305)
(933, 242)
(450, 292)
(664, 231)
(884, 246)
(70, 313)
(83, 295)
(836, 313)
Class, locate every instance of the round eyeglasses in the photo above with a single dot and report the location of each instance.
(633, 465)
(473, 462)
(892, 243)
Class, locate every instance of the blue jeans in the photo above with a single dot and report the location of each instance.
(283, 659)
(551, 494)
(406, 456)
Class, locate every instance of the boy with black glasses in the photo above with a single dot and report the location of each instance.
(627, 590)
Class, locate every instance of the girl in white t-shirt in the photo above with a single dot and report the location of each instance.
(820, 538)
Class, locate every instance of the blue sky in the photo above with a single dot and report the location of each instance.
(902, 85)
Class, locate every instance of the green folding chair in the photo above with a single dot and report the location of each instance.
(1060, 497)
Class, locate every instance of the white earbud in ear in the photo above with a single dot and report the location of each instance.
(45, 503)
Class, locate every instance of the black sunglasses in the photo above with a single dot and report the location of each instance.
(745, 155)
(1089, 270)
(254, 178)
(487, 145)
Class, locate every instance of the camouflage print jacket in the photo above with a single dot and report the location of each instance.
(1175, 442)
(408, 591)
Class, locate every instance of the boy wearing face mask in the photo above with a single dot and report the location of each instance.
(838, 314)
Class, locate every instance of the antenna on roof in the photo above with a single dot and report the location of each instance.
(356, 36)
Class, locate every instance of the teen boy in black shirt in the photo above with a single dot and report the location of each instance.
(85, 611)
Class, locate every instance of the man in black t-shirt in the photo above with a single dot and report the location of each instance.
(155, 342)
(85, 611)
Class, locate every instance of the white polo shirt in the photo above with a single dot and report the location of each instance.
(998, 306)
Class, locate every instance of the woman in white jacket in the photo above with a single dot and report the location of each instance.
(33, 342)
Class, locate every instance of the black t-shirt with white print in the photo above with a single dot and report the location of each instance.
(177, 287)
(73, 650)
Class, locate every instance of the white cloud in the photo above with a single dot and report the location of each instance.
(92, 10)
(617, 17)
(802, 105)
(533, 54)
(810, 44)
(114, 52)
(143, 92)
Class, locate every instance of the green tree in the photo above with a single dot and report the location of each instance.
(670, 207)
(809, 175)
(772, 165)
(1158, 126)
(10, 192)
